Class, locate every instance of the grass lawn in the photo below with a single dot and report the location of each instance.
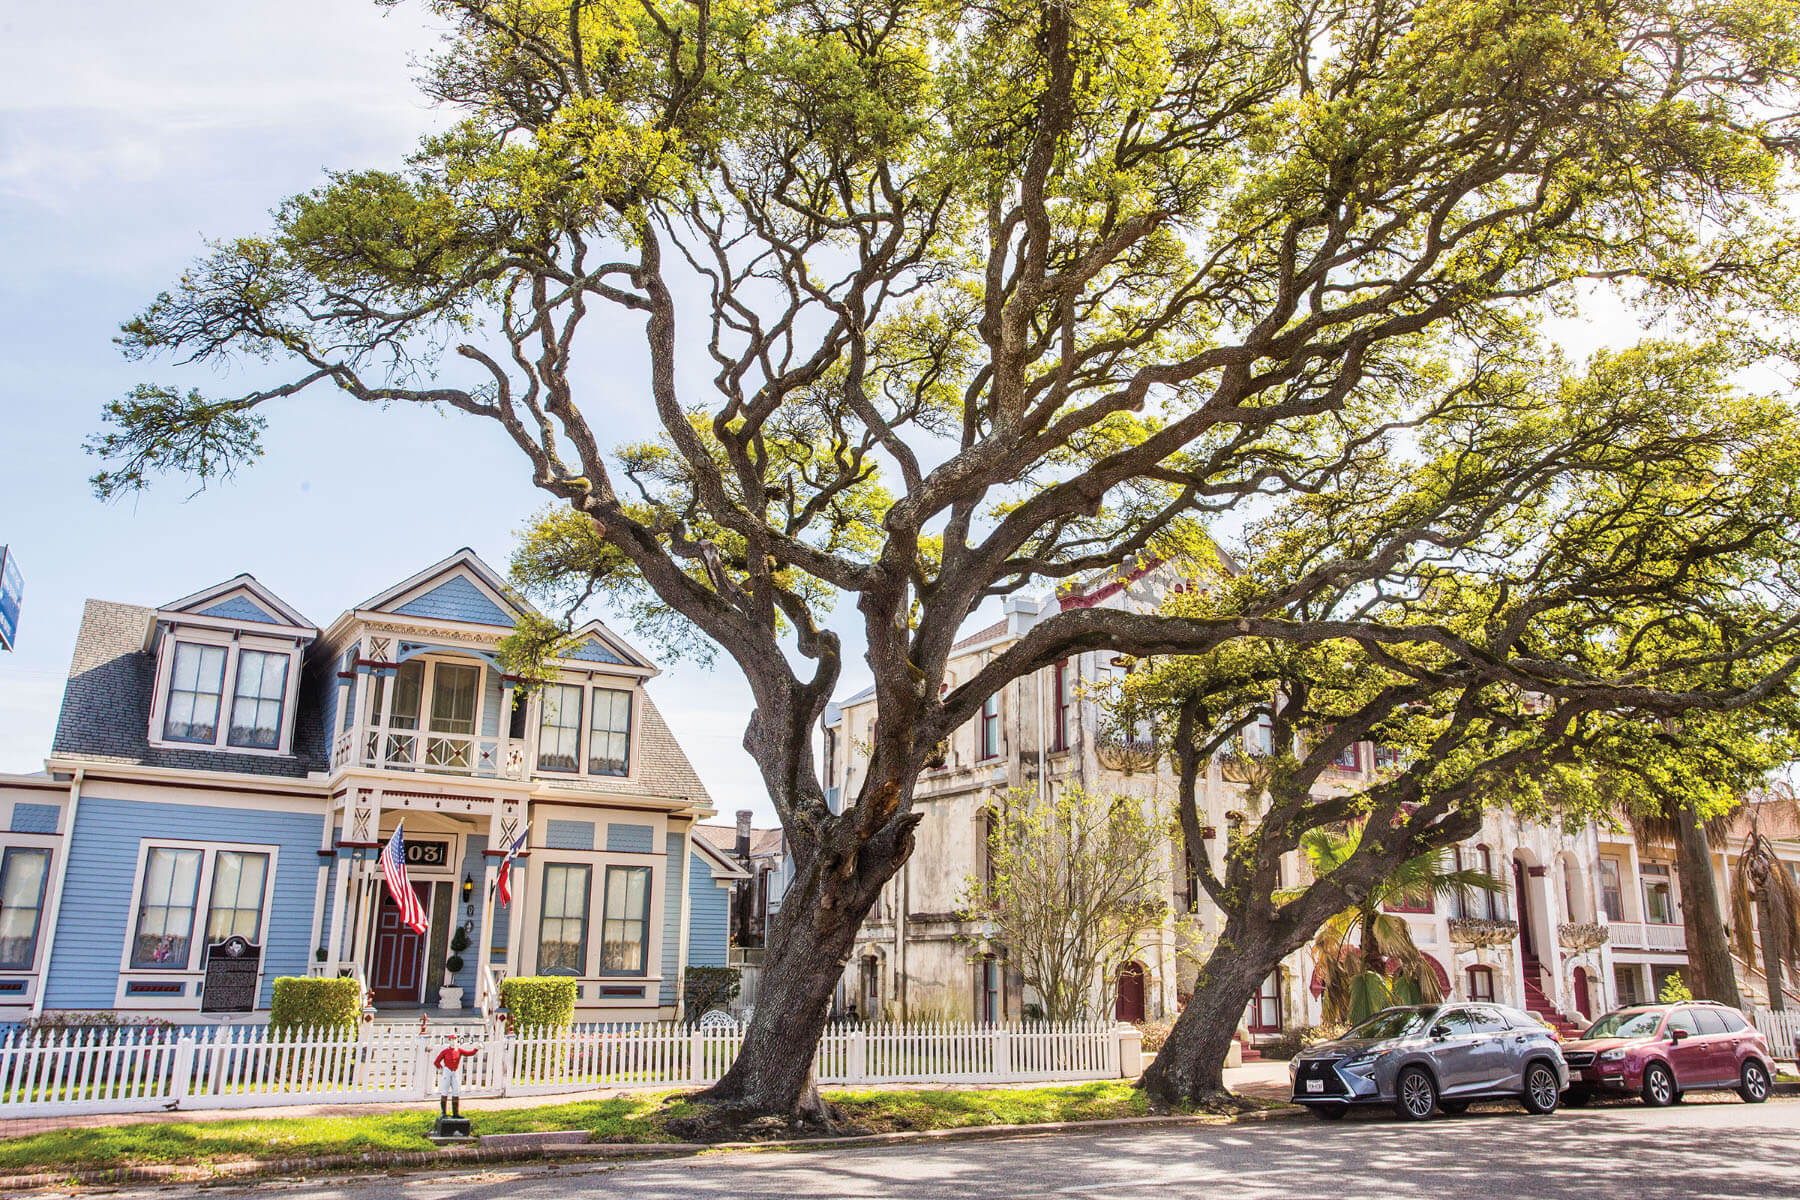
(639, 1118)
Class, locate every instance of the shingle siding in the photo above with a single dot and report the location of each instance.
(35, 818)
(98, 907)
(629, 839)
(569, 835)
(239, 608)
(456, 599)
(593, 650)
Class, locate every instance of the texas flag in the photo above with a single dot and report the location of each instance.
(503, 881)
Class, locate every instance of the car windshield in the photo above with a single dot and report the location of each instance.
(1393, 1023)
(1626, 1023)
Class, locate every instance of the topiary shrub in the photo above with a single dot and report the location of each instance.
(538, 1002)
(707, 988)
(459, 941)
(310, 1003)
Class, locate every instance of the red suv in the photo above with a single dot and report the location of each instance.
(1660, 1051)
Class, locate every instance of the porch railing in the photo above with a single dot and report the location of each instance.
(1634, 935)
(111, 1070)
(425, 750)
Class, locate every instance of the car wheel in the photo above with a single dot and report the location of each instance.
(1541, 1089)
(1659, 1086)
(1415, 1095)
(1754, 1084)
(1455, 1108)
(1328, 1112)
(1577, 1098)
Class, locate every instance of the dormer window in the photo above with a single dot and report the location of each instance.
(220, 693)
(195, 686)
(260, 697)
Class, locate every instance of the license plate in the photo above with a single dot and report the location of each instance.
(1315, 1085)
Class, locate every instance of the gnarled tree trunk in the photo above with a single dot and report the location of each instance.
(1189, 1069)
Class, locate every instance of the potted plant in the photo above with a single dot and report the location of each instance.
(451, 996)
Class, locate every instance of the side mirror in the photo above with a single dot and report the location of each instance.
(1678, 1035)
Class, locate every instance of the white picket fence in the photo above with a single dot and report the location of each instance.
(1780, 1029)
(50, 1072)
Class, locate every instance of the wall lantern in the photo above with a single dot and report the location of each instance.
(468, 887)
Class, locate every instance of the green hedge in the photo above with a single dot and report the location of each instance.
(315, 1003)
(539, 1001)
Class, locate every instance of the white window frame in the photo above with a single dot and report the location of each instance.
(588, 685)
(380, 719)
(193, 970)
(43, 904)
(231, 643)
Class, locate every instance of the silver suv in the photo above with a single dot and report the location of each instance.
(1433, 1056)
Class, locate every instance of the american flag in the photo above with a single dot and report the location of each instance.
(393, 869)
(503, 881)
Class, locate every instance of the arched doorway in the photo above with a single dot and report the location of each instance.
(1128, 1003)
(1583, 1004)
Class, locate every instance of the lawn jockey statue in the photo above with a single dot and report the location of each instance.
(449, 1063)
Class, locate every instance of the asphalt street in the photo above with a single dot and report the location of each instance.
(1706, 1147)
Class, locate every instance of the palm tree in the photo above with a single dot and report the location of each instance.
(1364, 957)
(1762, 884)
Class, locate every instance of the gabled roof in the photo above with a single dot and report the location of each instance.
(459, 588)
(240, 598)
(601, 645)
(723, 866)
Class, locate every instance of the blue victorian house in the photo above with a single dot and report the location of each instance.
(222, 768)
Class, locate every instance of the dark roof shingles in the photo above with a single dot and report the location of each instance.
(106, 704)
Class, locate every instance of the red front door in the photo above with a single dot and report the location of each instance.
(399, 958)
(1583, 1002)
(1129, 1005)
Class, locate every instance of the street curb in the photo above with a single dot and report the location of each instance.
(459, 1155)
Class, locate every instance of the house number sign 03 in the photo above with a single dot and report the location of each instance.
(427, 854)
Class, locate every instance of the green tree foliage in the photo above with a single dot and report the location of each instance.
(942, 302)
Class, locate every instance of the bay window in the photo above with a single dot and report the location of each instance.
(625, 934)
(165, 918)
(238, 886)
(23, 874)
(562, 923)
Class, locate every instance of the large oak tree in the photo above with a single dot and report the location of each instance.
(941, 302)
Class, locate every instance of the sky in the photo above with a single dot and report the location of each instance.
(129, 134)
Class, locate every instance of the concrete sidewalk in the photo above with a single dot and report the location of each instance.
(1259, 1080)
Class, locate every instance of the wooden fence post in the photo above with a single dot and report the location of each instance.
(183, 1071)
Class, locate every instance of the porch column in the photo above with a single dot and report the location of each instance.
(484, 956)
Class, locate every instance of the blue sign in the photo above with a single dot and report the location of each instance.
(12, 588)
